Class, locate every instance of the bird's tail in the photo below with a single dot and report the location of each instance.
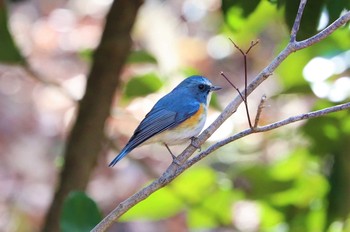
(133, 142)
(120, 156)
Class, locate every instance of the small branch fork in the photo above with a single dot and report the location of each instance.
(245, 95)
(174, 170)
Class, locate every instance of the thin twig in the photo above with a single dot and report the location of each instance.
(230, 82)
(296, 25)
(259, 111)
(245, 89)
(252, 44)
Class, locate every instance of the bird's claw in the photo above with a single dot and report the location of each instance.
(194, 143)
(175, 160)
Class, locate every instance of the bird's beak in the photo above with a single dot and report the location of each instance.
(215, 88)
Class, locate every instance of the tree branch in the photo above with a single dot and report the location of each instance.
(85, 140)
(174, 170)
(296, 25)
(300, 117)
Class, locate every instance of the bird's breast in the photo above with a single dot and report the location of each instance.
(187, 129)
(197, 120)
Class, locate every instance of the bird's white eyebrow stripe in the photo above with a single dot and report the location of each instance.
(208, 82)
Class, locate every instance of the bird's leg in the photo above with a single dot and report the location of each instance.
(172, 155)
(195, 144)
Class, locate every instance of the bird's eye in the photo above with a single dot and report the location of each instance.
(201, 86)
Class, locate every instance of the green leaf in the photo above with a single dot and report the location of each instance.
(200, 218)
(226, 5)
(324, 134)
(135, 57)
(301, 194)
(274, 1)
(200, 179)
(214, 209)
(291, 72)
(291, 167)
(302, 88)
(262, 183)
(317, 218)
(143, 85)
(189, 71)
(234, 18)
(80, 213)
(160, 205)
(248, 7)
(235, 21)
(141, 56)
(335, 7)
(214, 102)
(188, 189)
(86, 55)
(9, 53)
(270, 217)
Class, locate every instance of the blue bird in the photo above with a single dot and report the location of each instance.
(176, 118)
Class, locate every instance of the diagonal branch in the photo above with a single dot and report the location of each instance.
(266, 72)
(300, 117)
(174, 170)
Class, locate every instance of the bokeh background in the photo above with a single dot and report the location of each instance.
(296, 178)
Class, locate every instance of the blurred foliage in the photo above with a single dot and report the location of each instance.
(295, 193)
(135, 57)
(142, 85)
(208, 202)
(9, 53)
(305, 186)
(215, 103)
(238, 12)
(310, 19)
(241, 27)
(282, 191)
(247, 7)
(330, 139)
(80, 213)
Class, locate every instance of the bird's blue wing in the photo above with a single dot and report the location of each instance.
(163, 116)
(154, 123)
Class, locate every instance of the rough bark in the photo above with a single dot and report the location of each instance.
(85, 140)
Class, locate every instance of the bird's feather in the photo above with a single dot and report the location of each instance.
(164, 115)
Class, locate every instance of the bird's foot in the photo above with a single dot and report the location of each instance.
(194, 143)
(175, 160)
